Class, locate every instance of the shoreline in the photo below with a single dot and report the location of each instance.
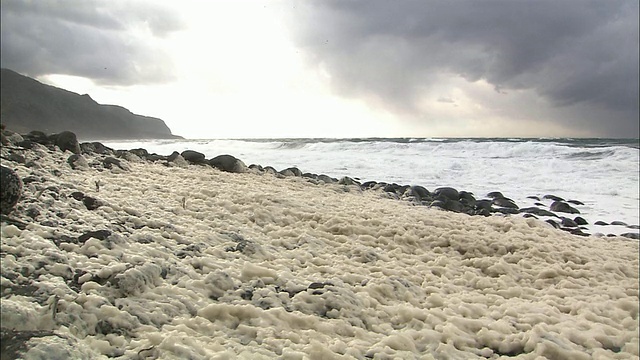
(132, 258)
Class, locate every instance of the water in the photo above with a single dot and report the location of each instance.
(602, 173)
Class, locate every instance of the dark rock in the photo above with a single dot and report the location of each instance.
(533, 197)
(506, 210)
(446, 192)
(575, 231)
(575, 202)
(580, 221)
(32, 212)
(560, 206)
(368, 185)
(391, 188)
(194, 157)
(18, 158)
(91, 203)
(98, 234)
(495, 195)
(141, 153)
(566, 222)
(420, 191)
(67, 140)
(327, 179)
(537, 211)
(619, 223)
(635, 236)
(636, 227)
(310, 176)
(482, 212)
(26, 144)
(553, 197)
(553, 223)
(96, 147)
(527, 215)
(539, 204)
(37, 137)
(77, 195)
(228, 163)
(292, 171)
(601, 223)
(505, 202)
(10, 190)
(484, 204)
(453, 205)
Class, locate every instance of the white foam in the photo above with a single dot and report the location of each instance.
(259, 267)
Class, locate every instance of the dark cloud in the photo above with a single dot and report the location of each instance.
(578, 55)
(110, 42)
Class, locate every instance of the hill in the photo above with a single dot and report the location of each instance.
(27, 104)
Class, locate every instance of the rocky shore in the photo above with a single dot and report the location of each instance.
(125, 254)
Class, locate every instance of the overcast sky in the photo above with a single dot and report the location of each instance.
(359, 68)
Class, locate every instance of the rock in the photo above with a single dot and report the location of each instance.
(619, 223)
(99, 234)
(560, 206)
(228, 163)
(194, 157)
(580, 221)
(446, 192)
(635, 236)
(20, 159)
(141, 153)
(91, 203)
(292, 171)
(77, 162)
(109, 161)
(327, 179)
(173, 156)
(601, 223)
(575, 202)
(636, 227)
(534, 198)
(37, 137)
(10, 190)
(568, 223)
(505, 202)
(484, 204)
(420, 191)
(67, 140)
(96, 147)
(537, 211)
(270, 170)
(368, 185)
(553, 223)
(553, 197)
(495, 195)
(527, 215)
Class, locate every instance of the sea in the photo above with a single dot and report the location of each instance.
(603, 174)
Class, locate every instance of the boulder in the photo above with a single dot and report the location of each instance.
(560, 206)
(194, 157)
(505, 202)
(10, 189)
(446, 192)
(67, 140)
(228, 163)
(292, 171)
(77, 162)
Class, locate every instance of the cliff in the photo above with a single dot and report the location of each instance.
(26, 105)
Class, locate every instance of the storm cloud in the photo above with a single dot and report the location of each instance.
(112, 43)
(581, 57)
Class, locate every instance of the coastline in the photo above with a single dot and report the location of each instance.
(181, 260)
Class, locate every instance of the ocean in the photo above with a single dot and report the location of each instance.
(601, 173)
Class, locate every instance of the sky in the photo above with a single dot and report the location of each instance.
(344, 68)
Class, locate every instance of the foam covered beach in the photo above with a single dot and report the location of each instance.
(178, 261)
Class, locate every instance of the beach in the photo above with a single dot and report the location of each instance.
(179, 261)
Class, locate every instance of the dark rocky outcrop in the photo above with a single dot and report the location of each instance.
(563, 207)
(26, 105)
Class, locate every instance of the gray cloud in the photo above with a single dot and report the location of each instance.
(578, 55)
(93, 39)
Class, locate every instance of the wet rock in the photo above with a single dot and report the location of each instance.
(495, 195)
(566, 222)
(292, 171)
(348, 181)
(635, 236)
(537, 211)
(563, 207)
(580, 221)
(10, 190)
(228, 163)
(575, 202)
(446, 192)
(619, 223)
(601, 223)
(91, 203)
(194, 157)
(534, 198)
(553, 197)
(505, 202)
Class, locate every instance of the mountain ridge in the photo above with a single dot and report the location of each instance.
(27, 104)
